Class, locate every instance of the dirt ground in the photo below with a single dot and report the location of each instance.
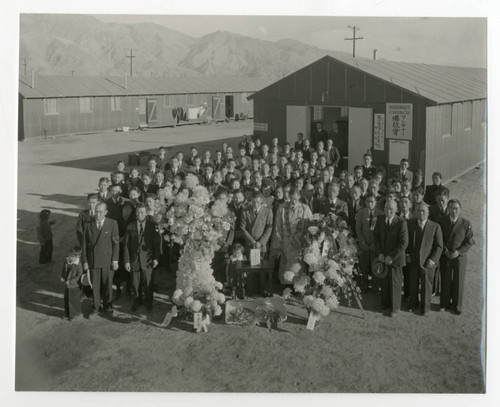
(349, 351)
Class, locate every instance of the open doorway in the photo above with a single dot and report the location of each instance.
(350, 128)
(229, 105)
(336, 123)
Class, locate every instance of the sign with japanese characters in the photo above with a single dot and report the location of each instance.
(378, 131)
(260, 126)
(399, 121)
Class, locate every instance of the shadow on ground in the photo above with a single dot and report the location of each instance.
(107, 162)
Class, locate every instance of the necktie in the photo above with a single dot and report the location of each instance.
(371, 218)
(141, 229)
(99, 225)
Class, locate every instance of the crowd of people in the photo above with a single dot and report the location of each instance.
(413, 233)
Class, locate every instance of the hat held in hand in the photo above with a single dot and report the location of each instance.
(379, 268)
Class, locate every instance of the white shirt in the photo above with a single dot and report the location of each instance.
(389, 221)
(422, 223)
(139, 226)
(99, 224)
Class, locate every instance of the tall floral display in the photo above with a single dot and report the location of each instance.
(199, 230)
(326, 269)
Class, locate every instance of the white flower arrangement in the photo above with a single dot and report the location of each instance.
(199, 231)
(327, 267)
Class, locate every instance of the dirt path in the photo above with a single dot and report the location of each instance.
(347, 353)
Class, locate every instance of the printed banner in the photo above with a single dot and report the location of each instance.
(379, 131)
(399, 121)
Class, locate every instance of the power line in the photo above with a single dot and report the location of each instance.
(130, 56)
(353, 39)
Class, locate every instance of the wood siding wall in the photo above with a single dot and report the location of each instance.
(330, 83)
(69, 120)
(463, 148)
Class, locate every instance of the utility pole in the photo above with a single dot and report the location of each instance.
(375, 54)
(130, 56)
(25, 65)
(353, 39)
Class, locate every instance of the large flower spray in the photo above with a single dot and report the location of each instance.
(199, 230)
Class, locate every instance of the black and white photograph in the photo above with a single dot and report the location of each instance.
(250, 201)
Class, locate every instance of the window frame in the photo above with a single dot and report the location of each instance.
(113, 100)
(91, 104)
(51, 102)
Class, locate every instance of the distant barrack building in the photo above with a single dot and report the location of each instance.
(431, 114)
(58, 105)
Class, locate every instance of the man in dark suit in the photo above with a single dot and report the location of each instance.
(423, 252)
(332, 153)
(85, 217)
(369, 170)
(391, 239)
(458, 239)
(354, 204)
(331, 204)
(173, 169)
(100, 254)
(115, 203)
(190, 159)
(406, 191)
(299, 144)
(162, 161)
(197, 170)
(366, 219)
(439, 209)
(436, 212)
(257, 224)
(435, 189)
(141, 255)
(103, 193)
(147, 187)
(151, 169)
(403, 173)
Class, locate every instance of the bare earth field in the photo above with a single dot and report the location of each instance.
(349, 351)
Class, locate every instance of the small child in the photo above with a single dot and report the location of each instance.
(236, 280)
(71, 274)
(44, 232)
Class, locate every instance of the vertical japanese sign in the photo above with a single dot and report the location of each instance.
(399, 121)
(378, 131)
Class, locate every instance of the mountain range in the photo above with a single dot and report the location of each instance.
(59, 44)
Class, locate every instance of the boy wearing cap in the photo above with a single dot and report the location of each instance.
(71, 274)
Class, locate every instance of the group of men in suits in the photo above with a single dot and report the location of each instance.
(394, 226)
(422, 246)
(103, 241)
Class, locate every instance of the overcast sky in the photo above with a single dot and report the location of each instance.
(455, 41)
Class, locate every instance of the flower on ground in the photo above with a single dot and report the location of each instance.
(324, 311)
(196, 306)
(308, 301)
(318, 304)
(332, 302)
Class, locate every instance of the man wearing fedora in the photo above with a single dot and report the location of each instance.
(423, 253)
(391, 239)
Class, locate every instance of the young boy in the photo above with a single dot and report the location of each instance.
(236, 280)
(71, 274)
